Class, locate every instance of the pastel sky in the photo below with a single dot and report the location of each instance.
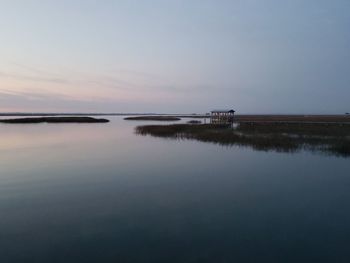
(175, 56)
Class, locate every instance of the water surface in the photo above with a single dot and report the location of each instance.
(100, 193)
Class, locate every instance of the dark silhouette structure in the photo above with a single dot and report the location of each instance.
(222, 116)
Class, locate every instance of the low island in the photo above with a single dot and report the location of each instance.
(79, 119)
(153, 118)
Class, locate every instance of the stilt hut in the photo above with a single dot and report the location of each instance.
(222, 116)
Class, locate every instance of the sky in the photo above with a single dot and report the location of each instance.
(175, 56)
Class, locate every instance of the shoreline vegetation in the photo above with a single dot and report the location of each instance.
(329, 138)
(54, 120)
(237, 117)
(252, 118)
(293, 118)
(152, 118)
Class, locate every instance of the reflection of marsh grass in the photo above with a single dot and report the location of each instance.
(332, 138)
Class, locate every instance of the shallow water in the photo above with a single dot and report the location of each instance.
(100, 193)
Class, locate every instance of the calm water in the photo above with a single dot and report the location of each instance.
(100, 193)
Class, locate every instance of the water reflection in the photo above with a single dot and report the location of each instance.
(100, 193)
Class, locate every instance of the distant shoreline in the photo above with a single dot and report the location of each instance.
(152, 118)
(239, 118)
(53, 120)
(6, 114)
(262, 119)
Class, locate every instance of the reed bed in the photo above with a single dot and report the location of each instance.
(328, 138)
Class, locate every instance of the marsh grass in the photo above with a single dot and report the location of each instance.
(301, 129)
(333, 139)
(152, 118)
(79, 119)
